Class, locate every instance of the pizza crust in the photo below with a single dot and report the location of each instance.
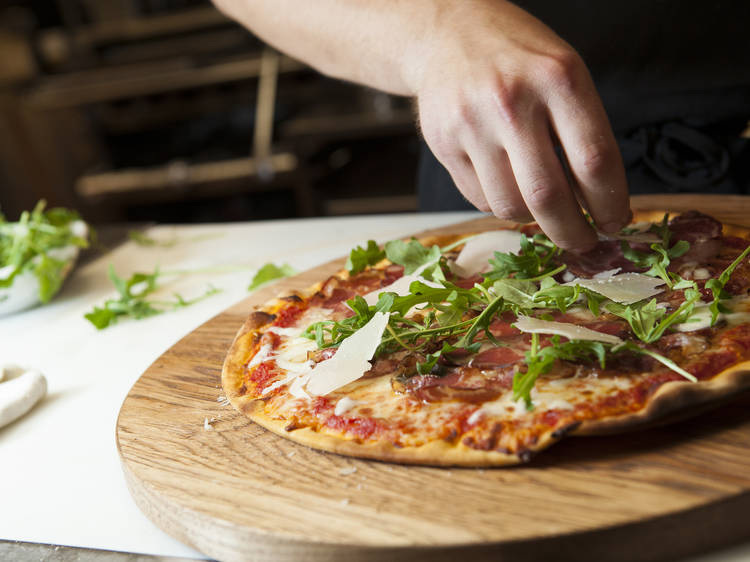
(675, 401)
(672, 401)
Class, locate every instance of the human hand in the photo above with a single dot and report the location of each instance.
(496, 91)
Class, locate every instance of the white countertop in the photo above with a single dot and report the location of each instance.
(60, 476)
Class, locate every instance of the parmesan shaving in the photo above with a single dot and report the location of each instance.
(475, 255)
(352, 359)
(571, 331)
(605, 274)
(625, 288)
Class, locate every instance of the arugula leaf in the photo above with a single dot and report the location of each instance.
(540, 361)
(269, 272)
(412, 255)
(658, 261)
(518, 292)
(649, 321)
(534, 262)
(360, 257)
(431, 359)
(716, 286)
(132, 301)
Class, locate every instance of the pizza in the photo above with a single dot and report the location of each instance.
(484, 349)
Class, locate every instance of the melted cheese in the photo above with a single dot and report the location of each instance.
(571, 331)
(477, 251)
(263, 353)
(625, 288)
(701, 318)
(352, 359)
(344, 405)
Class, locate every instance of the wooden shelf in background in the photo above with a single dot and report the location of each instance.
(86, 87)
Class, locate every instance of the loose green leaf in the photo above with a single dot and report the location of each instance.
(268, 273)
(359, 258)
(133, 301)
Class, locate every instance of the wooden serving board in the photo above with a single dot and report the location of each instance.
(239, 492)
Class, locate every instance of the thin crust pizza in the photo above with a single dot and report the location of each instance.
(483, 349)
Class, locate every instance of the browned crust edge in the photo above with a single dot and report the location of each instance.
(682, 397)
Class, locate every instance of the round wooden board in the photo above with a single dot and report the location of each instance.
(239, 492)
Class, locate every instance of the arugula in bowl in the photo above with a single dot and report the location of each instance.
(36, 254)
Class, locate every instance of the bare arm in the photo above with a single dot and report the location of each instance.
(496, 90)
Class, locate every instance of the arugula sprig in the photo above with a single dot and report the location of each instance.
(716, 286)
(649, 321)
(657, 261)
(540, 360)
(133, 301)
(534, 262)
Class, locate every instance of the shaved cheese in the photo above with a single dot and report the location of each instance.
(344, 405)
(625, 288)
(476, 252)
(352, 359)
(401, 285)
(571, 331)
(262, 355)
(297, 389)
(605, 274)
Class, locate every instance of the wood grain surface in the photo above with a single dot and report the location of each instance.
(238, 492)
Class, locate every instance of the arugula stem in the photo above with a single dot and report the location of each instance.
(451, 329)
(395, 337)
(548, 274)
(666, 361)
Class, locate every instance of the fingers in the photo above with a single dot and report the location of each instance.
(545, 189)
(593, 156)
(499, 189)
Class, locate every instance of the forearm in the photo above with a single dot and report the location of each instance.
(495, 89)
(378, 44)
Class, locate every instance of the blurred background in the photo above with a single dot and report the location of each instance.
(165, 110)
